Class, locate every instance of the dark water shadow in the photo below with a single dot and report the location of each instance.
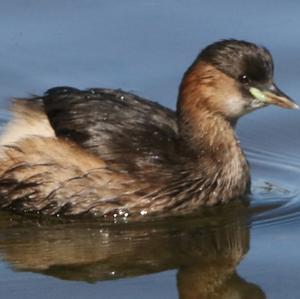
(205, 250)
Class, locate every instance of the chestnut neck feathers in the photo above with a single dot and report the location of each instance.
(207, 129)
(201, 107)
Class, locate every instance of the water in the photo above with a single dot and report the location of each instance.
(144, 46)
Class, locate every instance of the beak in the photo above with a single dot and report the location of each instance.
(274, 96)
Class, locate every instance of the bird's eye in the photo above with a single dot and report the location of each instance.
(244, 79)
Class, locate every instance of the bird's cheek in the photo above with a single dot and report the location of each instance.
(235, 107)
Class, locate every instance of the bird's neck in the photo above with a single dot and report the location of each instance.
(211, 139)
(202, 125)
(201, 119)
(217, 155)
(204, 133)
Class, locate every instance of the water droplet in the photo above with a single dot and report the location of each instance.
(144, 212)
(123, 213)
(105, 116)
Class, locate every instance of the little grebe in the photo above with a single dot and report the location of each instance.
(111, 153)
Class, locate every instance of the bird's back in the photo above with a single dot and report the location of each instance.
(117, 126)
(99, 150)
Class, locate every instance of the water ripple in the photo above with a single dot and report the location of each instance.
(275, 198)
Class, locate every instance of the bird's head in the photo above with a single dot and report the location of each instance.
(232, 78)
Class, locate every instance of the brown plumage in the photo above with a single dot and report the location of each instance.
(110, 153)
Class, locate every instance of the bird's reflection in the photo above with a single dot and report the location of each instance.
(205, 249)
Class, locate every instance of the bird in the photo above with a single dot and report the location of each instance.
(112, 154)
